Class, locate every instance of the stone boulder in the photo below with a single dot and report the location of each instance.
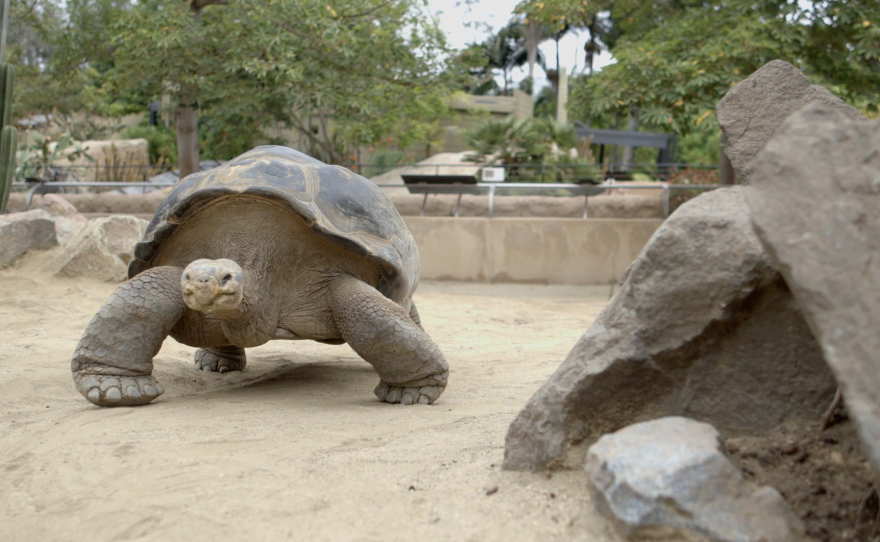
(815, 202)
(755, 108)
(703, 326)
(101, 250)
(671, 479)
(21, 232)
(68, 221)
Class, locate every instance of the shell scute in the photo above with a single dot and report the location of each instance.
(336, 203)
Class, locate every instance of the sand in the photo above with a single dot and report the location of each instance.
(296, 447)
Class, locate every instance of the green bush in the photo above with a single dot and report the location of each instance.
(162, 142)
(526, 147)
(382, 160)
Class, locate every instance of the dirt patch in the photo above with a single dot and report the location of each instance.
(296, 446)
(824, 475)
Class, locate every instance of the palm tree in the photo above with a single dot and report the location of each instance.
(534, 33)
(505, 50)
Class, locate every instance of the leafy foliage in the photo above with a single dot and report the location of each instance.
(675, 73)
(527, 146)
(355, 71)
(341, 73)
(37, 159)
(162, 142)
(677, 58)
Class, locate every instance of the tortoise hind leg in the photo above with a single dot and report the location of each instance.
(411, 367)
(221, 359)
(113, 362)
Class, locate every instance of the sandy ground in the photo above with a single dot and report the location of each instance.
(296, 447)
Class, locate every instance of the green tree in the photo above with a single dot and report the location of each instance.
(842, 47)
(677, 58)
(353, 71)
(671, 76)
(63, 54)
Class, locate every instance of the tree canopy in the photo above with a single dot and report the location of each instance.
(676, 58)
(339, 73)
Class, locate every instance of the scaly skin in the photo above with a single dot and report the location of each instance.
(113, 362)
(411, 367)
(221, 359)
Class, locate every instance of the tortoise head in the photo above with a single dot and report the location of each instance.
(212, 286)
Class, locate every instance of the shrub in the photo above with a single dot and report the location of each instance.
(162, 142)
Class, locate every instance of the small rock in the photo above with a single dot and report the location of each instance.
(492, 490)
(669, 479)
(101, 250)
(55, 205)
(68, 221)
(21, 232)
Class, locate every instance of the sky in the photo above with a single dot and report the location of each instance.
(457, 19)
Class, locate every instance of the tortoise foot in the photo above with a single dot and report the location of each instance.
(418, 392)
(221, 359)
(109, 390)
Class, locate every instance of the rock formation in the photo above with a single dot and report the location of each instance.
(703, 326)
(815, 202)
(752, 111)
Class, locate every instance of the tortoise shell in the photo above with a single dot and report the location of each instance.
(335, 203)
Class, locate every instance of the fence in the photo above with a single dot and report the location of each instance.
(586, 186)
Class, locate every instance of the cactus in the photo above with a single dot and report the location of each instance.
(7, 82)
(8, 146)
(9, 136)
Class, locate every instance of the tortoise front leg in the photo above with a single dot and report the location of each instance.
(113, 362)
(411, 366)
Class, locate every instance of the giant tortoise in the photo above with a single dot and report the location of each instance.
(272, 245)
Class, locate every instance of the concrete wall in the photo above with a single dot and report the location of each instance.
(534, 250)
(519, 105)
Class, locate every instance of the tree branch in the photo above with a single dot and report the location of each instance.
(199, 4)
(363, 13)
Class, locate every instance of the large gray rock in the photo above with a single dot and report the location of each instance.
(68, 221)
(755, 108)
(21, 232)
(703, 326)
(101, 250)
(670, 479)
(816, 204)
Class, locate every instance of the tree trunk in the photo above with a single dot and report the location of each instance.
(632, 125)
(187, 132)
(188, 115)
(591, 46)
(532, 36)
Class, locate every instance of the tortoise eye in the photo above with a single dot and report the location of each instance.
(186, 276)
(227, 278)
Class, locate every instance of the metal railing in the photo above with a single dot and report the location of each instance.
(490, 189)
(585, 190)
